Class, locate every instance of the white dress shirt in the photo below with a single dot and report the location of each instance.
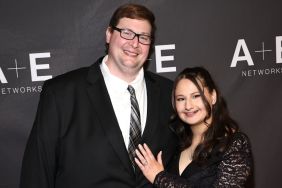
(120, 98)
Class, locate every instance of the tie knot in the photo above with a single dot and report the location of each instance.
(131, 90)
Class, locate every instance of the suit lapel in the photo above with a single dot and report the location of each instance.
(153, 96)
(100, 98)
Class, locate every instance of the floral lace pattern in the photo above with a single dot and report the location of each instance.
(232, 171)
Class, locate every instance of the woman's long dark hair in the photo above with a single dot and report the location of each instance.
(218, 134)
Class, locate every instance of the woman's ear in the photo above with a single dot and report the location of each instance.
(214, 97)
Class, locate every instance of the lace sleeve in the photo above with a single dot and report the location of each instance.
(232, 171)
(236, 165)
(167, 180)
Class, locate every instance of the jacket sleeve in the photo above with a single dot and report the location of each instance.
(39, 161)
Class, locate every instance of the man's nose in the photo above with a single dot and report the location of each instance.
(135, 41)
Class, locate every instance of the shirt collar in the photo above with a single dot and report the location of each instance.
(118, 83)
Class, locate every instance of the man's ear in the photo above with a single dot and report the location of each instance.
(108, 34)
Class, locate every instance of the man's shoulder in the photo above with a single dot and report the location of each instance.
(157, 78)
(72, 77)
(76, 77)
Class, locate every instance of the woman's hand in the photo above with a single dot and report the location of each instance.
(147, 162)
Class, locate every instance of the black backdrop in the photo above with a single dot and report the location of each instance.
(238, 41)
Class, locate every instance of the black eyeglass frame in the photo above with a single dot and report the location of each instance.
(135, 34)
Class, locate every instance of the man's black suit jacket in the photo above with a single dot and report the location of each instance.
(76, 141)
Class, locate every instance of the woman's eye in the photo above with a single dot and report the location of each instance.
(179, 99)
(196, 96)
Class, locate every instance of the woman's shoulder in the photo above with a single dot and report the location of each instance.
(239, 142)
(239, 135)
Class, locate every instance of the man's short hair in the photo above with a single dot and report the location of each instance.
(134, 11)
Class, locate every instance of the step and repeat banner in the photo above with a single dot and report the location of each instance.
(239, 42)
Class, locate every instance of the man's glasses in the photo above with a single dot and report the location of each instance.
(130, 35)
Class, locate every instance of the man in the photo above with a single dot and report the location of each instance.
(81, 136)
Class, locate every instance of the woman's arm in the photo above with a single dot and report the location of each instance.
(233, 170)
(236, 166)
(153, 170)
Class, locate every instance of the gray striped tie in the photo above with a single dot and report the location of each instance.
(135, 126)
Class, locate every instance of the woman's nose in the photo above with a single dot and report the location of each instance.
(188, 105)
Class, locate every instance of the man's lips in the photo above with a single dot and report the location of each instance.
(130, 53)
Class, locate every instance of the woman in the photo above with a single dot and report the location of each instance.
(212, 150)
